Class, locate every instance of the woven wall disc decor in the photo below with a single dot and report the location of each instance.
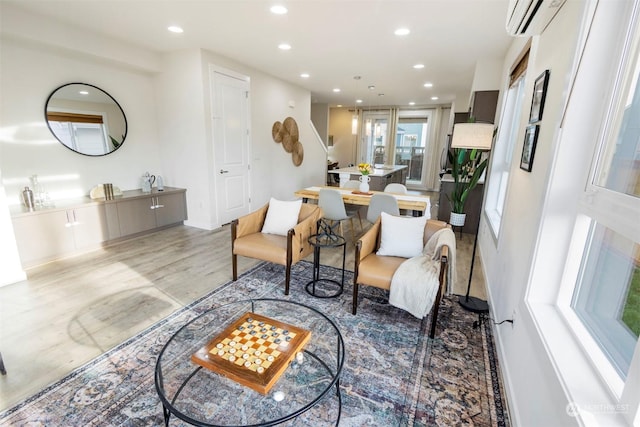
(288, 143)
(287, 133)
(291, 127)
(298, 154)
(276, 132)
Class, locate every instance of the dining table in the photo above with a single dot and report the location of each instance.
(419, 205)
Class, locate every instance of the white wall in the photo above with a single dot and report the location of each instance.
(184, 111)
(182, 132)
(487, 75)
(28, 146)
(343, 150)
(272, 170)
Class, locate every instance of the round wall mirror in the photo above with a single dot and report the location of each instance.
(86, 119)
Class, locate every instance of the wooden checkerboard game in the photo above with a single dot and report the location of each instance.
(254, 350)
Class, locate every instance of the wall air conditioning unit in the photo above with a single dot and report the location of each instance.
(531, 17)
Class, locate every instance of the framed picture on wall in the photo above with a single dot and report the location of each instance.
(529, 147)
(539, 95)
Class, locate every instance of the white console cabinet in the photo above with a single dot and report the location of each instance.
(77, 225)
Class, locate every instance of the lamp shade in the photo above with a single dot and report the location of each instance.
(472, 135)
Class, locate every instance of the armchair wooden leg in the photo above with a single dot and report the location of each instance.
(287, 279)
(441, 290)
(234, 263)
(234, 257)
(355, 298)
(434, 316)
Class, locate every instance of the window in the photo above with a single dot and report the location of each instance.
(86, 133)
(503, 147)
(412, 138)
(374, 146)
(401, 138)
(606, 298)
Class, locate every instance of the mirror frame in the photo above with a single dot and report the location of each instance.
(124, 118)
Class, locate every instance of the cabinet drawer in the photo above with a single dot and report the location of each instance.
(42, 237)
(135, 216)
(170, 209)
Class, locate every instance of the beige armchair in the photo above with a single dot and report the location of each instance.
(374, 270)
(247, 239)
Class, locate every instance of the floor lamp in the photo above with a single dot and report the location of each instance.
(477, 136)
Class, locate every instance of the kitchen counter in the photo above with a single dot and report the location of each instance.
(380, 177)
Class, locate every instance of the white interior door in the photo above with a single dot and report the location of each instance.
(230, 146)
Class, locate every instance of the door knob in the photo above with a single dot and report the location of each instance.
(223, 171)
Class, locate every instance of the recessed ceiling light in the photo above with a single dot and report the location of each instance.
(434, 98)
(358, 101)
(83, 92)
(336, 90)
(428, 85)
(371, 87)
(175, 29)
(381, 94)
(401, 32)
(304, 75)
(284, 46)
(412, 103)
(278, 9)
(339, 105)
(418, 66)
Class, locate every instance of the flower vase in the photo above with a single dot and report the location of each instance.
(364, 183)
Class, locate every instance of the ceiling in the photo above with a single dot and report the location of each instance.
(332, 40)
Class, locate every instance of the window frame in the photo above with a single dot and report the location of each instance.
(502, 154)
(611, 209)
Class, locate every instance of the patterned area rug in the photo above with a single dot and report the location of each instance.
(399, 378)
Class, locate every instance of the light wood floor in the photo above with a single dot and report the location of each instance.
(70, 311)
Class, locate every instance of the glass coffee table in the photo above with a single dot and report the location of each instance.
(307, 386)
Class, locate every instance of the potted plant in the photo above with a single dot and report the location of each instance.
(467, 167)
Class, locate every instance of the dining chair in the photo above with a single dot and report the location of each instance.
(379, 203)
(333, 208)
(395, 187)
(353, 209)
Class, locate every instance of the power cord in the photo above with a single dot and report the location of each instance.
(481, 316)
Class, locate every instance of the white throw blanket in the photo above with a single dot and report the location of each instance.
(415, 283)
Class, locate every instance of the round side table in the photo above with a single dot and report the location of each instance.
(319, 287)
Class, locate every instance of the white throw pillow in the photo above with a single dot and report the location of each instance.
(401, 236)
(281, 216)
